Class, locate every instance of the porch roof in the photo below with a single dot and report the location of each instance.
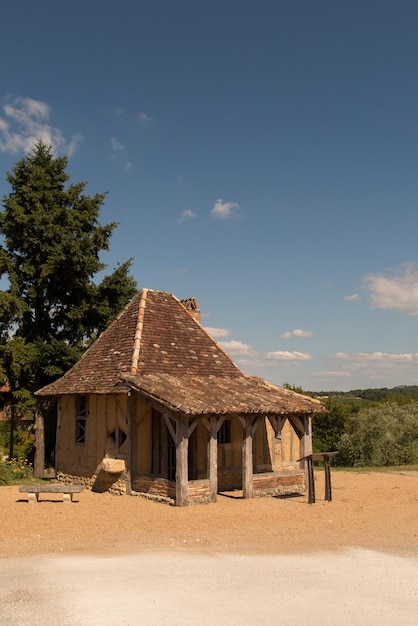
(221, 395)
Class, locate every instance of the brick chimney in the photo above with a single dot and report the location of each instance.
(191, 305)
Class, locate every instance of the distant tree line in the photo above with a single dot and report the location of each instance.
(371, 427)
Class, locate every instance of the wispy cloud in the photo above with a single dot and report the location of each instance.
(398, 292)
(283, 355)
(187, 214)
(237, 348)
(116, 144)
(218, 333)
(144, 118)
(376, 366)
(331, 374)
(119, 153)
(26, 121)
(364, 358)
(225, 210)
(353, 296)
(298, 333)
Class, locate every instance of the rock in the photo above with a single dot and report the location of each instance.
(113, 466)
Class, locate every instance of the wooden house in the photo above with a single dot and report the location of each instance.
(156, 407)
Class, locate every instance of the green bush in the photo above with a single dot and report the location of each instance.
(15, 470)
(23, 440)
(384, 434)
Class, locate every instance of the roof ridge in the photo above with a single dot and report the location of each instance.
(138, 330)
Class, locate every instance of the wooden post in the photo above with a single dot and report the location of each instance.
(306, 439)
(306, 448)
(39, 464)
(328, 491)
(311, 480)
(131, 413)
(213, 459)
(247, 460)
(182, 447)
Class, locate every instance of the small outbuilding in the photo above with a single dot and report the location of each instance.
(156, 407)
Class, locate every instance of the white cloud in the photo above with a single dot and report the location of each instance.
(25, 122)
(354, 296)
(331, 374)
(237, 347)
(73, 144)
(144, 118)
(224, 210)
(218, 333)
(380, 366)
(282, 355)
(299, 333)
(186, 214)
(398, 292)
(116, 144)
(383, 357)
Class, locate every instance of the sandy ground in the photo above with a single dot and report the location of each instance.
(124, 560)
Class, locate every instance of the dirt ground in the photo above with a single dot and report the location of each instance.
(375, 511)
(105, 560)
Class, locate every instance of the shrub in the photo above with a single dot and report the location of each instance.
(15, 470)
(385, 434)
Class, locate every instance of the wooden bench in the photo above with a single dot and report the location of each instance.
(67, 491)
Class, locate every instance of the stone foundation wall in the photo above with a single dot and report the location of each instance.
(279, 483)
(159, 489)
(199, 491)
(164, 490)
(117, 488)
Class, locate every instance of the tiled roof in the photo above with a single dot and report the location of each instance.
(160, 349)
(154, 334)
(215, 395)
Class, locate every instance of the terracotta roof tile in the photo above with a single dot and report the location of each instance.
(157, 346)
(214, 395)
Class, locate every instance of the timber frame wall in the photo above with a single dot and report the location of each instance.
(120, 426)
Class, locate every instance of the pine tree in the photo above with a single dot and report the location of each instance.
(51, 242)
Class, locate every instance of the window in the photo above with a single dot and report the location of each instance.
(224, 433)
(156, 437)
(81, 414)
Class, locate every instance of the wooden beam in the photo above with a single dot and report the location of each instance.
(277, 422)
(247, 459)
(169, 425)
(306, 439)
(255, 424)
(213, 458)
(298, 424)
(303, 428)
(193, 425)
(130, 418)
(182, 448)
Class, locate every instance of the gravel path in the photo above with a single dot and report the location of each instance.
(122, 560)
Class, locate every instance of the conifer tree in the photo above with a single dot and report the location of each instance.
(50, 246)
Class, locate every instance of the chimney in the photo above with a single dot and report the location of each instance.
(191, 305)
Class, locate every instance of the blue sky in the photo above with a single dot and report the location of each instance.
(261, 156)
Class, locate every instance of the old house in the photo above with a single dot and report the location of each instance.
(156, 407)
